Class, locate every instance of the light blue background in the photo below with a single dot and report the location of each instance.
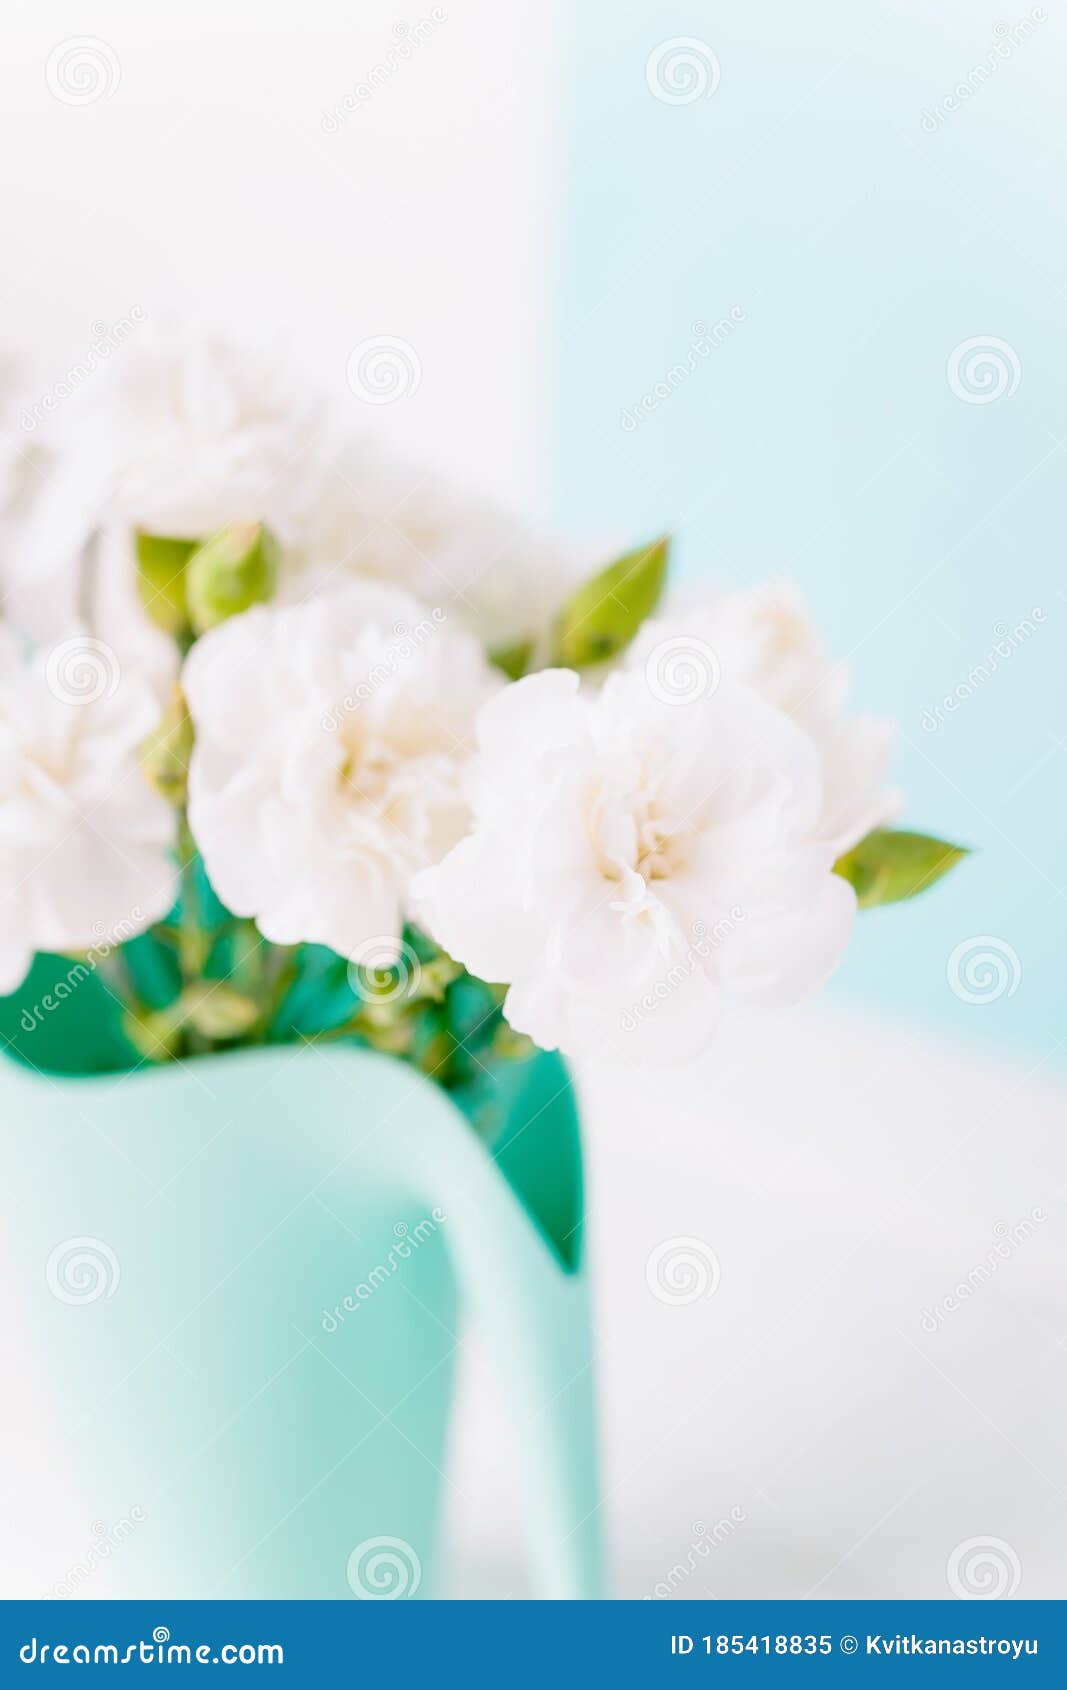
(822, 439)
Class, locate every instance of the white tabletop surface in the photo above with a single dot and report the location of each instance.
(848, 1175)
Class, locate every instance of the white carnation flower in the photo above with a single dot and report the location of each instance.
(57, 569)
(382, 516)
(331, 760)
(635, 869)
(85, 843)
(182, 436)
(186, 434)
(22, 466)
(765, 640)
(179, 436)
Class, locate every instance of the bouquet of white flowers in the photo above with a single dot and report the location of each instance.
(298, 745)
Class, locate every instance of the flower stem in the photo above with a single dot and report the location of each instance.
(286, 972)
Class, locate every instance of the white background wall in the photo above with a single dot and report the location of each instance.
(207, 182)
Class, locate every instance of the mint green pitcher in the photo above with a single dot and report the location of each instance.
(242, 1278)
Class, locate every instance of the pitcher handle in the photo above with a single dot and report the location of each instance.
(533, 1306)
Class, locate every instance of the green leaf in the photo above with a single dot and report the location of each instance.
(891, 864)
(602, 617)
(161, 578)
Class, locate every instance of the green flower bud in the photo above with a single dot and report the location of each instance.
(167, 750)
(161, 579)
(155, 1034)
(435, 977)
(510, 1046)
(513, 660)
(387, 1027)
(217, 1011)
(235, 569)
